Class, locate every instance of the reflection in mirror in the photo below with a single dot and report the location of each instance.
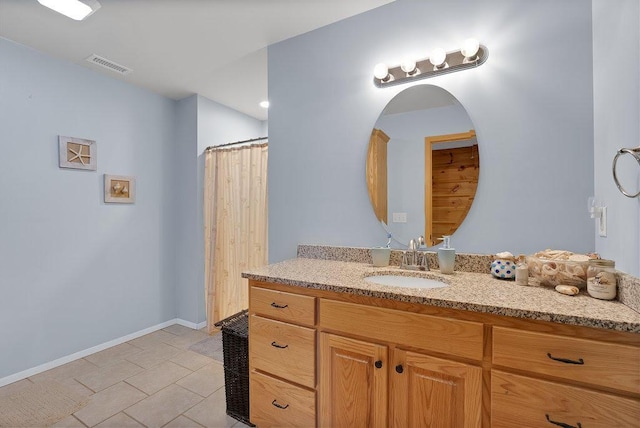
(422, 164)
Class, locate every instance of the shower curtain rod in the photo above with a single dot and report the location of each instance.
(237, 142)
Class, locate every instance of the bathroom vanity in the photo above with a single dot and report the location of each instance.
(327, 348)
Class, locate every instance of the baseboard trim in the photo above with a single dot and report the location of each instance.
(81, 354)
(190, 324)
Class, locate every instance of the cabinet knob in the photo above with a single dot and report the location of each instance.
(399, 368)
(378, 364)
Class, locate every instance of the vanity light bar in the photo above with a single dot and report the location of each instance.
(471, 55)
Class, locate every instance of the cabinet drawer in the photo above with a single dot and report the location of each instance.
(519, 401)
(283, 306)
(598, 363)
(284, 350)
(275, 403)
(448, 336)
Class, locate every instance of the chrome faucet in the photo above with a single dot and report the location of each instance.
(413, 258)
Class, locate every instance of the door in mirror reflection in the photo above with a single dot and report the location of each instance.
(422, 164)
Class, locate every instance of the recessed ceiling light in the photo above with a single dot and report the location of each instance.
(264, 104)
(74, 9)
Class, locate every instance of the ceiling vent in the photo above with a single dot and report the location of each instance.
(105, 63)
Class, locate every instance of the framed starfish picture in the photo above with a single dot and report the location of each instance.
(77, 153)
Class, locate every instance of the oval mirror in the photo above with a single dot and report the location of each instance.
(422, 165)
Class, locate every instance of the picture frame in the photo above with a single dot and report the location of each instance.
(77, 153)
(119, 189)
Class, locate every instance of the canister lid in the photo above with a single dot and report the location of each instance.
(602, 263)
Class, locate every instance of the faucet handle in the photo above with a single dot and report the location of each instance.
(424, 262)
(412, 245)
(421, 242)
(405, 259)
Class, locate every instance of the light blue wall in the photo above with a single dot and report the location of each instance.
(616, 95)
(76, 272)
(189, 292)
(219, 124)
(531, 104)
(209, 124)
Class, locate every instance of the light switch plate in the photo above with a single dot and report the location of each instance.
(399, 217)
(602, 223)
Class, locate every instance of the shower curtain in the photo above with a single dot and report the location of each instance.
(235, 225)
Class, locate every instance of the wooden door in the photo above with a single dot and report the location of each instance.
(451, 180)
(433, 392)
(353, 384)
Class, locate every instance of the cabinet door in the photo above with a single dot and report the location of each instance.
(353, 384)
(433, 392)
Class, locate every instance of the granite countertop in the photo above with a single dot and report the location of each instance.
(470, 291)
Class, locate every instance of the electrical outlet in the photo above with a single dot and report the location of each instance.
(602, 223)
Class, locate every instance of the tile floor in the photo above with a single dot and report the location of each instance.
(151, 381)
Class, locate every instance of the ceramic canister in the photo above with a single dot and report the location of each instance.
(503, 269)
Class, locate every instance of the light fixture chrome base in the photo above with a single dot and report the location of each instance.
(455, 61)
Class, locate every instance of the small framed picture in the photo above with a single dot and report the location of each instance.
(119, 189)
(77, 153)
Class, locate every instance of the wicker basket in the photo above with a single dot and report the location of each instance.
(235, 348)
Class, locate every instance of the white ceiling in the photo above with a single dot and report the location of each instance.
(215, 48)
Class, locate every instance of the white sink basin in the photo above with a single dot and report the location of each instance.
(405, 281)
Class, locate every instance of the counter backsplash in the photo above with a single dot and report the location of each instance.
(628, 285)
(479, 263)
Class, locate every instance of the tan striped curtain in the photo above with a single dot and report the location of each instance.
(235, 225)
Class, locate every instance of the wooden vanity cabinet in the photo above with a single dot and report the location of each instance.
(434, 392)
(360, 386)
(353, 384)
(282, 358)
(542, 379)
(528, 402)
(382, 363)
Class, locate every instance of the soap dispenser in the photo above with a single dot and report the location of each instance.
(446, 255)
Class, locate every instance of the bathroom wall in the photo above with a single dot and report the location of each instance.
(188, 301)
(76, 272)
(616, 96)
(531, 104)
(208, 123)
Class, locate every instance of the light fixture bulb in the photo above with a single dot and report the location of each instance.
(408, 66)
(381, 71)
(264, 104)
(438, 58)
(74, 9)
(470, 49)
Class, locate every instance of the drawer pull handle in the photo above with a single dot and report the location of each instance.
(399, 368)
(561, 424)
(564, 360)
(276, 345)
(378, 364)
(279, 406)
(277, 306)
